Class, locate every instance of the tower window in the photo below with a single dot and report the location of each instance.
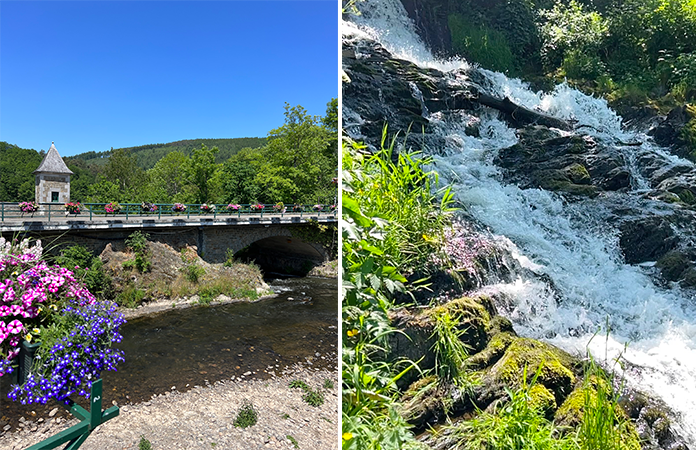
(54, 196)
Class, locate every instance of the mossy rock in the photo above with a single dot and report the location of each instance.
(553, 364)
(559, 181)
(672, 265)
(473, 316)
(426, 400)
(687, 196)
(493, 352)
(578, 174)
(542, 399)
(571, 412)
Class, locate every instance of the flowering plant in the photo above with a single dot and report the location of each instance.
(207, 208)
(257, 206)
(49, 304)
(148, 207)
(233, 207)
(279, 207)
(179, 207)
(333, 207)
(29, 207)
(112, 208)
(297, 207)
(318, 207)
(73, 208)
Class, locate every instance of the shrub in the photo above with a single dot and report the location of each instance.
(88, 268)
(247, 416)
(481, 44)
(144, 444)
(313, 398)
(137, 242)
(570, 27)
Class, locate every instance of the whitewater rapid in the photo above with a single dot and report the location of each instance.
(652, 328)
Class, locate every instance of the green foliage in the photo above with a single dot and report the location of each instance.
(482, 44)
(191, 270)
(689, 132)
(398, 190)
(199, 172)
(144, 444)
(247, 416)
(131, 296)
(328, 384)
(122, 170)
(293, 440)
(87, 267)
(313, 398)
(16, 177)
(295, 384)
(570, 27)
(137, 242)
(604, 424)
(516, 424)
(450, 351)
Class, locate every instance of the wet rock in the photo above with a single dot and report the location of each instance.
(646, 239)
(668, 132)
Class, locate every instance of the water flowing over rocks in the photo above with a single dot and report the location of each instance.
(592, 225)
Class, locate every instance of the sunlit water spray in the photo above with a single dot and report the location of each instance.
(570, 243)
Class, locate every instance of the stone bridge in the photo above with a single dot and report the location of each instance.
(288, 243)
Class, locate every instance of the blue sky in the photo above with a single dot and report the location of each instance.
(91, 75)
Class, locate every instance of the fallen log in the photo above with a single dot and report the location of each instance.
(520, 115)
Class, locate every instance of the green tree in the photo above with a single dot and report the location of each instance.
(200, 171)
(238, 176)
(16, 172)
(122, 169)
(166, 178)
(301, 157)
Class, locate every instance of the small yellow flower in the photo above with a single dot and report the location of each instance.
(352, 332)
(27, 338)
(15, 273)
(347, 436)
(36, 331)
(54, 307)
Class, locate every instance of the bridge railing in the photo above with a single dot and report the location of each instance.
(49, 211)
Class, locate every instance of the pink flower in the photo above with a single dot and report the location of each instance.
(15, 310)
(9, 295)
(4, 311)
(15, 327)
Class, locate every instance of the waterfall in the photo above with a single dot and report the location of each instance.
(652, 327)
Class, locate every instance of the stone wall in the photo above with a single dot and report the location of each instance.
(45, 183)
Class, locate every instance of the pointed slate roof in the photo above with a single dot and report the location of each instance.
(53, 163)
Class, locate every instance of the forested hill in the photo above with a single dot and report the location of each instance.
(297, 163)
(148, 155)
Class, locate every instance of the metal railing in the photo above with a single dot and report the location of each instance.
(52, 211)
(76, 435)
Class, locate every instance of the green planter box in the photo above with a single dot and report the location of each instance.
(27, 353)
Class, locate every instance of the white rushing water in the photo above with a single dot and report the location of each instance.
(569, 243)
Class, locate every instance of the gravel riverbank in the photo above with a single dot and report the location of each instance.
(203, 418)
